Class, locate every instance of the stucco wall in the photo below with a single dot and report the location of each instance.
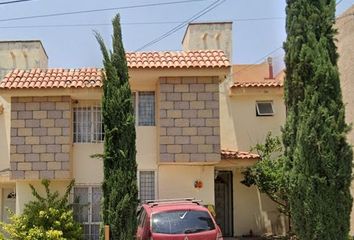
(345, 46)
(24, 193)
(40, 137)
(189, 120)
(177, 181)
(240, 127)
(5, 122)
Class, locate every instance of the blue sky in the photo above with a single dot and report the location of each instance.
(72, 47)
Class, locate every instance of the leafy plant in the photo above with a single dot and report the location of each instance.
(268, 173)
(45, 218)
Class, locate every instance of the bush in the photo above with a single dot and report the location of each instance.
(45, 218)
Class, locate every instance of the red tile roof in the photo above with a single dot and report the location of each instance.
(234, 154)
(265, 83)
(181, 59)
(92, 77)
(53, 78)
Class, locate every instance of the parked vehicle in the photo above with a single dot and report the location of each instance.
(176, 219)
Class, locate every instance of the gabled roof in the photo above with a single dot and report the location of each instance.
(92, 77)
(234, 154)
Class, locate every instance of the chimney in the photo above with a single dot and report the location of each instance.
(270, 68)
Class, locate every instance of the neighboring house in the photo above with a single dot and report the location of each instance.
(196, 119)
(345, 44)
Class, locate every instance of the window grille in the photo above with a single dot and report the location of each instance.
(87, 210)
(146, 185)
(88, 124)
(146, 102)
(264, 108)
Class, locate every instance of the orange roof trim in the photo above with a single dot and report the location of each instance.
(92, 77)
(266, 83)
(233, 154)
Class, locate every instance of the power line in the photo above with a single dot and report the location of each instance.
(100, 10)
(15, 1)
(180, 26)
(339, 2)
(127, 23)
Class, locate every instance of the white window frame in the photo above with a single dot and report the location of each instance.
(258, 114)
(136, 108)
(91, 105)
(155, 181)
(89, 195)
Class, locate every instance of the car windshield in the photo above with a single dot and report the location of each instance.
(182, 222)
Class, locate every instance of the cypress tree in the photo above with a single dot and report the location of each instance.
(120, 194)
(318, 157)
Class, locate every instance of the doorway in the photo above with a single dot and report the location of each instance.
(224, 202)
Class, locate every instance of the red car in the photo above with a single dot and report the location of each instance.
(176, 219)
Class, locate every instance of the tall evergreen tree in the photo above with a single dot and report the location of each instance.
(319, 160)
(120, 194)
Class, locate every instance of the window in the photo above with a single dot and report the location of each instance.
(144, 108)
(264, 108)
(146, 185)
(88, 125)
(87, 210)
(183, 222)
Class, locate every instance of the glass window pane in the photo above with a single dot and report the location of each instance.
(95, 231)
(182, 222)
(147, 185)
(82, 124)
(146, 109)
(96, 204)
(81, 204)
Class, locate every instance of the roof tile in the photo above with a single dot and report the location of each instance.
(234, 154)
(92, 77)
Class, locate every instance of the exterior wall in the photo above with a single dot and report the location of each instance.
(40, 138)
(87, 170)
(24, 193)
(21, 55)
(5, 121)
(254, 211)
(240, 127)
(177, 181)
(209, 36)
(345, 46)
(189, 120)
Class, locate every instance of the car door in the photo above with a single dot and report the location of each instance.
(141, 221)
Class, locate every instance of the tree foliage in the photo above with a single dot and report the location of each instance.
(318, 158)
(46, 218)
(120, 194)
(268, 173)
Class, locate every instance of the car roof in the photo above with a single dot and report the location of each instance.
(173, 206)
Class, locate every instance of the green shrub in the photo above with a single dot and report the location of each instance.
(45, 218)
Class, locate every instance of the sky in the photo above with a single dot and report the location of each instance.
(76, 46)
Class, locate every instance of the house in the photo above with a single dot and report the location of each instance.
(196, 120)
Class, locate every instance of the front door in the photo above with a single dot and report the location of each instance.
(9, 203)
(224, 202)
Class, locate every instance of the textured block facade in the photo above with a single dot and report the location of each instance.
(40, 137)
(189, 119)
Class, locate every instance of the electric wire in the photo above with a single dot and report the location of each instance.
(183, 24)
(127, 23)
(99, 10)
(15, 1)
